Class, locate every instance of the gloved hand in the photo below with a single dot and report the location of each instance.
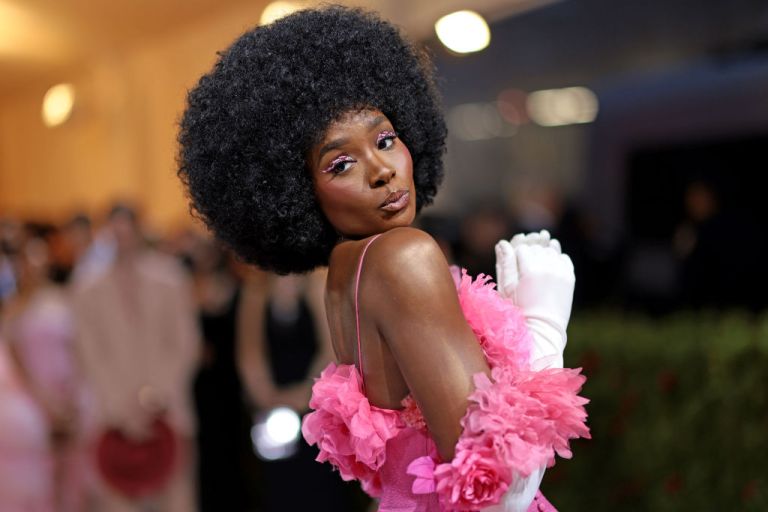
(534, 274)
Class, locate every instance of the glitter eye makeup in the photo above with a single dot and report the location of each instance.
(386, 134)
(334, 165)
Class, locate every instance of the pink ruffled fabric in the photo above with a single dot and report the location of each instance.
(541, 504)
(513, 425)
(516, 421)
(350, 433)
(498, 324)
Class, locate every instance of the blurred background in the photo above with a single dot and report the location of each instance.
(636, 132)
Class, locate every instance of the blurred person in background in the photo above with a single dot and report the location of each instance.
(138, 341)
(538, 206)
(26, 464)
(38, 323)
(26, 467)
(10, 246)
(92, 254)
(283, 343)
(712, 272)
(227, 465)
(445, 231)
(480, 230)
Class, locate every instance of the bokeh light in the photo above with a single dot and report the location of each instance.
(479, 121)
(560, 107)
(511, 105)
(463, 32)
(275, 435)
(277, 10)
(57, 104)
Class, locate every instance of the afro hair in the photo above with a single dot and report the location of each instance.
(251, 121)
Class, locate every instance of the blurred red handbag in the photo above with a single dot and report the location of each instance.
(138, 468)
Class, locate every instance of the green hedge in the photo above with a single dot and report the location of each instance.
(678, 412)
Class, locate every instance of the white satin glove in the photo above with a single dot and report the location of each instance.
(520, 494)
(533, 273)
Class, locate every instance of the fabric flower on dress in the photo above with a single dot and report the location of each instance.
(513, 425)
(475, 478)
(350, 433)
(423, 469)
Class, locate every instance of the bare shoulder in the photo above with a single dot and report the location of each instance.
(402, 248)
(408, 256)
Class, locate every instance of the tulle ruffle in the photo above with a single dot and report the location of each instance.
(350, 433)
(514, 424)
(498, 324)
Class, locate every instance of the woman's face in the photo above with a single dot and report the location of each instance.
(363, 175)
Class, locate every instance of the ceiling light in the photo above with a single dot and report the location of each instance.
(277, 10)
(463, 32)
(57, 104)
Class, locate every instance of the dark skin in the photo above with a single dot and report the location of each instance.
(414, 337)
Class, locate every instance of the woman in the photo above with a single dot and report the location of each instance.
(315, 141)
(38, 326)
(283, 342)
(223, 445)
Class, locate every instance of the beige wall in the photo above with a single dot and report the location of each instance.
(120, 141)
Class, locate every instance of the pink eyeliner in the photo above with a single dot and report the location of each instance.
(385, 135)
(336, 161)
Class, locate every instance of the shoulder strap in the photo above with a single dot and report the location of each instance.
(357, 309)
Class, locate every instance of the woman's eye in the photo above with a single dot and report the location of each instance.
(386, 139)
(339, 165)
(342, 166)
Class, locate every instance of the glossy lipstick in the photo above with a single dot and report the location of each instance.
(396, 201)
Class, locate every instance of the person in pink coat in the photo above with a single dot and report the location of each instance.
(138, 344)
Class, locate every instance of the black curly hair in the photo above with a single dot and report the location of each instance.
(251, 121)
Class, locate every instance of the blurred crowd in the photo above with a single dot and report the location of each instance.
(154, 374)
(121, 359)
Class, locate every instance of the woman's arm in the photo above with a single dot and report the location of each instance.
(297, 395)
(315, 294)
(251, 346)
(411, 296)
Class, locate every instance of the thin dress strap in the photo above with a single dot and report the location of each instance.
(357, 309)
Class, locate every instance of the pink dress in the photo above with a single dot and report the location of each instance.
(516, 422)
(25, 462)
(43, 336)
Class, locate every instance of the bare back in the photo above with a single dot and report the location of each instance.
(385, 386)
(413, 335)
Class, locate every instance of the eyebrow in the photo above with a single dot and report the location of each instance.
(335, 144)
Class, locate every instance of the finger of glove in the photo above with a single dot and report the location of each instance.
(527, 260)
(506, 263)
(555, 244)
(544, 238)
(519, 239)
(500, 271)
(528, 239)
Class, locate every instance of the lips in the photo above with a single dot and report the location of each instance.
(396, 201)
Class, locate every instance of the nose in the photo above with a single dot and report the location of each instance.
(381, 173)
